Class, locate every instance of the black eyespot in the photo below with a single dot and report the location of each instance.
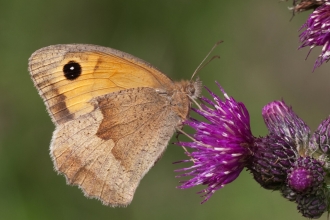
(72, 70)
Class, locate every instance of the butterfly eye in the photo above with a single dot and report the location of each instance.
(191, 89)
(72, 70)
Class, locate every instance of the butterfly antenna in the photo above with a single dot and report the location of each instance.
(200, 66)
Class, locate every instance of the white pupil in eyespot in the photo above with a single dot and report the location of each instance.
(72, 68)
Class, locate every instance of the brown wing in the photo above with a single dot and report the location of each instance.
(69, 76)
(109, 150)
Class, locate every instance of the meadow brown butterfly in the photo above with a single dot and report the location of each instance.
(114, 116)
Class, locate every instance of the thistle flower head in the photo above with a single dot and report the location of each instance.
(317, 33)
(281, 120)
(275, 154)
(272, 157)
(306, 175)
(221, 145)
(288, 159)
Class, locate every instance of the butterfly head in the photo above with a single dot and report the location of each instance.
(192, 88)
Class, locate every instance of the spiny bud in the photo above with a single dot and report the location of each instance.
(306, 175)
(273, 157)
(312, 205)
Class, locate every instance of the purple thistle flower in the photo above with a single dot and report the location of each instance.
(283, 122)
(276, 153)
(221, 146)
(288, 159)
(317, 33)
(302, 178)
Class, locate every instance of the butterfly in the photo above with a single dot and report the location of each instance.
(114, 115)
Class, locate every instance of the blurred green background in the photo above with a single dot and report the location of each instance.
(259, 63)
